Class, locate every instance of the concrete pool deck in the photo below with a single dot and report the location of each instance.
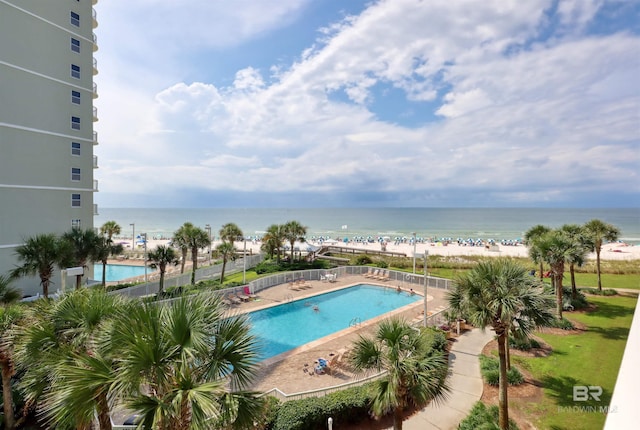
(292, 372)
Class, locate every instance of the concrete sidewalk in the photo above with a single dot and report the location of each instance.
(465, 382)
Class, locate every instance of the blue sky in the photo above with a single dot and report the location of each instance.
(333, 103)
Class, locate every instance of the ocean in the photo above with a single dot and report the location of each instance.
(338, 223)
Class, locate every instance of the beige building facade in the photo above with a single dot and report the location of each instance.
(47, 120)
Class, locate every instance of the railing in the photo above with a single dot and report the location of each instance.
(95, 113)
(95, 209)
(95, 90)
(95, 42)
(95, 66)
(95, 137)
(95, 161)
(95, 185)
(94, 15)
(355, 322)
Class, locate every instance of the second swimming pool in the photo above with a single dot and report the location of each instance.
(117, 272)
(287, 326)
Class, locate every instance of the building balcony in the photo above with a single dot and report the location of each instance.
(95, 137)
(95, 161)
(95, 209)
(95, 42)
(95, 114)
(94, 16)
(95, 90)
(95, 66)
(95, 185)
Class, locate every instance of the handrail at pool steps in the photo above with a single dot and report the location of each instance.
(355, 322)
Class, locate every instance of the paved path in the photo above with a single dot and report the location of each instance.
(465, 382)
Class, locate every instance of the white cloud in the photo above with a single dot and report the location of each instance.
(525, 117)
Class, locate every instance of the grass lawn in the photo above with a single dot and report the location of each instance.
(631, 280)
(591, 358)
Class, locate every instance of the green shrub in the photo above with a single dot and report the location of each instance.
(597, 292)
(347, 406)
(523, 344)
(482, 417)
(437, 338)
(490, 369)
(564, 324)
(363, 260)
(382, 264)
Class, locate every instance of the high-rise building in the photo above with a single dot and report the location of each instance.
(46, 123)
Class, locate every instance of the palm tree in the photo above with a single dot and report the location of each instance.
(196, 238)
(499, 293)
(180, 241)
(227, 251)
(110, 229)
(10, 315)
(555, 248)
(8, 294)
(599, 231)
(40, 255)
(578, 252)
(84, 245)
(273, 240)
(530, 237)
(104, 249)
(186, 363)
(294, 232)
(160, 258)
(230, 232)
(66, 357)
(415, 373)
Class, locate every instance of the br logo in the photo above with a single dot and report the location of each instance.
(583, 393)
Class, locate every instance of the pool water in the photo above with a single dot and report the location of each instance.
(287, 326)
(118, 272)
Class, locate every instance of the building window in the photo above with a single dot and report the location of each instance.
(75, 200)
(75, 45)
(75, 123)
(75, 19)
(76, 223)
(75, 71)
(75, 174)
(75, 97)
(75, 148)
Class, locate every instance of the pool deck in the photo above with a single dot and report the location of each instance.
(292, 372)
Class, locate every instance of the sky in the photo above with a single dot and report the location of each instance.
(350, 103)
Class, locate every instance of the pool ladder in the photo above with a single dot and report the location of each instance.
(355, 322)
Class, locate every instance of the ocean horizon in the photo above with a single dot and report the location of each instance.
(338, 223)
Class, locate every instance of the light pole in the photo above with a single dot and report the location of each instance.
(414, 252)
(426, 255)
(207, 227)
(133, 236)
(144, 237)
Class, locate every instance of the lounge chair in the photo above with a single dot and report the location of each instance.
(233, 299)
(385, 277)
(381, 275)
(369, 273)
(247, 292)
(375, 274)
(243, 297)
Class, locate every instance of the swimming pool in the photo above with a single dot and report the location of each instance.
(117, 272)
(287, 326)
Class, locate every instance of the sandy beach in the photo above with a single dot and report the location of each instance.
(610, 251)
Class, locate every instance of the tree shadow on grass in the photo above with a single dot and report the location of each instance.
(613, 333)
(611, 310)
(561, 391)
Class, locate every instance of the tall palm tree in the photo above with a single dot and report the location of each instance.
(598, 231)
(160, 258)
(184, 364)
(227, 251)
(294, 232)
(530, 236)
(230, 232)
(104, 249)
(580, 247)
(40, 255)
(415, 373)
(499, 293)
(180, 240)
(273, 240)
(10, 315)
(196, 238)
(555, 248)
(66, 359)
(110, 229)
(84, 245)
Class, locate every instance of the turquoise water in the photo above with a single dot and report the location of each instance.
(118, 272)
(495, 223)
(287, 326)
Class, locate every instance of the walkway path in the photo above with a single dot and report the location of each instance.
(465, 382)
